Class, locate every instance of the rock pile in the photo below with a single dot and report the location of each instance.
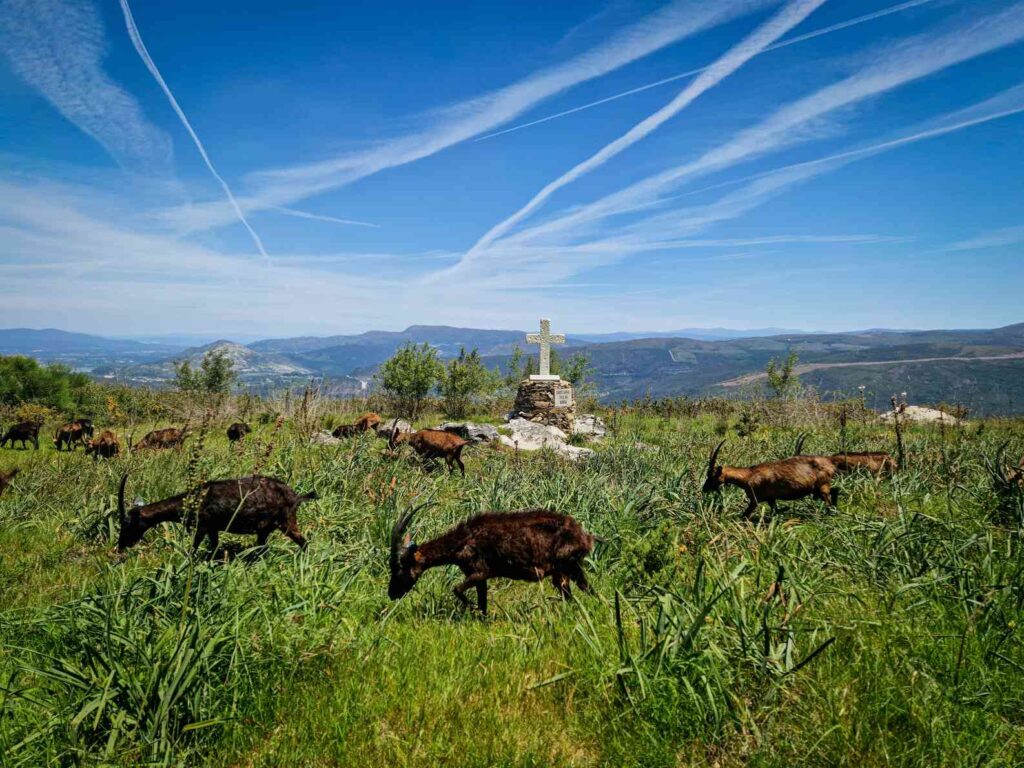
(535, 401)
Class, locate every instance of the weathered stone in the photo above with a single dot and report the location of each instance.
(536, 401)
(385, 428)
(922, 414)
(590, 426)
(467, 430)
(324, 438)
(531, 436)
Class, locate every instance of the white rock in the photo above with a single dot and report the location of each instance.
(385, 428)
(590, 425)
(530, 436)
(324, 438)
(478, 433)
(919, 413)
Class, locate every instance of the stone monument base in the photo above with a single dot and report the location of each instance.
(546, 401)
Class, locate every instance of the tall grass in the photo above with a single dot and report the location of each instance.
(889, 632)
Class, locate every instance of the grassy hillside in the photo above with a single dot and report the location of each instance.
(890, 632)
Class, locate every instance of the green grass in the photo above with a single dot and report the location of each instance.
(888, 633)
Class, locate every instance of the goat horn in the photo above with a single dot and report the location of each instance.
(396, 537)
(798, 449)
(714, 457)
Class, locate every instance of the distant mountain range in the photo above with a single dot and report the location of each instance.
(983, 369)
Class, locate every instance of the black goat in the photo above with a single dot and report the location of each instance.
(530, 545)
(254, 505)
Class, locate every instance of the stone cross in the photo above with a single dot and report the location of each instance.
(545, 338)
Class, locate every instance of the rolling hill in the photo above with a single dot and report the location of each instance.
(983, 369)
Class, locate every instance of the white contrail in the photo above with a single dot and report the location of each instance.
(318, 217)
(140, 47)
(786, 19)
(690, 73)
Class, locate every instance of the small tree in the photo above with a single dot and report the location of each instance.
(462, 379)
(215, 375)
(782, 380)
(516, 370)
(410, 375)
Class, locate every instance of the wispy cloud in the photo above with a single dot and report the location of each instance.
(140, 48)
(560, 255)
(997, 238)
(457, 123)
(794, 13)
(690, 73)
(58, 47)
(318, 217)
(896, 65)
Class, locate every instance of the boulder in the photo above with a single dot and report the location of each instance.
(590, 425)
(920, 414)
(385, 427)
(531, 436)
(324, 438)
(467, 430)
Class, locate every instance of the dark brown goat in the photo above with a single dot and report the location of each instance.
(68, 435)
(774, 481)
(238, 430)
(251, 505)
(6, 478)
(530, 545)
(432, 444)
(87, 427)
(106, 446)
(875, 462)
(365, 423)
(22, 432)
(161, 439)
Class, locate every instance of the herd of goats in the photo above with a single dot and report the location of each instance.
(527, 545)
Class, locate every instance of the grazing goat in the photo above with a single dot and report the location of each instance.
(238, 430)
(432, 444)
(365, 423)
(251, 505)
(160, 439)
(23, 432)
(6, 478)
(67, 435)
(87, 428)
(530, 545)
(875, 462)
(774, 481)
(106, 446)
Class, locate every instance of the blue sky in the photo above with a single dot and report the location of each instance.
(817, 164)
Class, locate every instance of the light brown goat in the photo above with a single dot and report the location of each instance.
(160, 439)
(365, 423)
(106, 446)
(774, 481)
(875, 462)
(6, 478)
(432, 444)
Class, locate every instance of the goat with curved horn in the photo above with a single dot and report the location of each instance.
(793, 478)
(249, 505)
(529, 545)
